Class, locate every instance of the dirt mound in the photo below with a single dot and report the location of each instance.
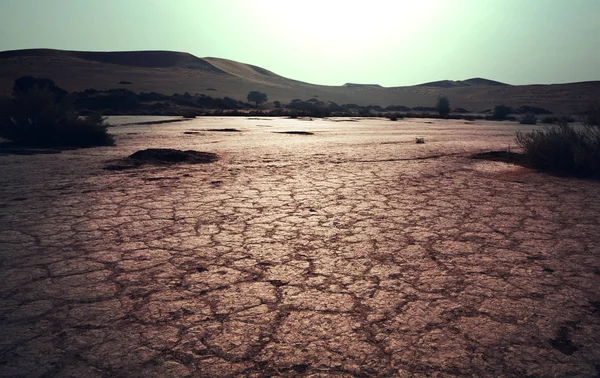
(294, 132)
(168, 155)
(163, 156)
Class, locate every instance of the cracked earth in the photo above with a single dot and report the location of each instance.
(350, 252)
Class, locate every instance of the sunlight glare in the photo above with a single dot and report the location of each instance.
(346, 22)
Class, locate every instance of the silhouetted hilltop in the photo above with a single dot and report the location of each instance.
(481, 81)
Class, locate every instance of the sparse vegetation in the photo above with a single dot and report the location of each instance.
(528, 119)
(526, 109)
(592, 115)
(41, 114)
(564, 149)
(443, 106)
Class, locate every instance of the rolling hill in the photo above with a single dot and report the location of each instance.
(175, 72)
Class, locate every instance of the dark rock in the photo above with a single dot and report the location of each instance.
(562, 343)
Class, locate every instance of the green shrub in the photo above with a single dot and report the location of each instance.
(528, 119)
(42, 115)
(563, 149)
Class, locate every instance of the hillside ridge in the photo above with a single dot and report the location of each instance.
(170, 72)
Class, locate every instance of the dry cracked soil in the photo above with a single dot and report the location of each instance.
(351, 252)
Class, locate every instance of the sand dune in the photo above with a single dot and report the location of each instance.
(174, 72)
(243, 71)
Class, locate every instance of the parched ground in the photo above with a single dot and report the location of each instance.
(350, 252)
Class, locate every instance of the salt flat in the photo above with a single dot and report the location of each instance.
(349, 252)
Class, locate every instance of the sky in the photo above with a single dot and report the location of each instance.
(391, 43)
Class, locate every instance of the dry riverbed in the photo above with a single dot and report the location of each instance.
(340, 249)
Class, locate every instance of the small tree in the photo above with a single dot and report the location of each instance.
(443, 106)
(257, 97)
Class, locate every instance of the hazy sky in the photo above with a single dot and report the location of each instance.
(392, 43)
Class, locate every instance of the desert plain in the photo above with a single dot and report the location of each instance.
(351, 251)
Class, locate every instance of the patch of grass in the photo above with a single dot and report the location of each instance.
(563, 149)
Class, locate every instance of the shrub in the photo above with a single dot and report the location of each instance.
(500, 112)
(563, 149)
(528, 119)
(550, 119)
(41, 114)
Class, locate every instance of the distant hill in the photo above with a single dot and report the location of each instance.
(463, 83)
(480, 81)
(361, 85)
(170, 72)
(145, 59)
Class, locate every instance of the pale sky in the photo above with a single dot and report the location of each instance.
(391, 43)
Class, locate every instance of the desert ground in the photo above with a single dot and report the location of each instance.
(349, 252)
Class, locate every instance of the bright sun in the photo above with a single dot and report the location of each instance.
(346, 22)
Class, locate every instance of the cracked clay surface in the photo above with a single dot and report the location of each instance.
(350, 252)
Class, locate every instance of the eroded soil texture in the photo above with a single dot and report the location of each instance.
(351, 252)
